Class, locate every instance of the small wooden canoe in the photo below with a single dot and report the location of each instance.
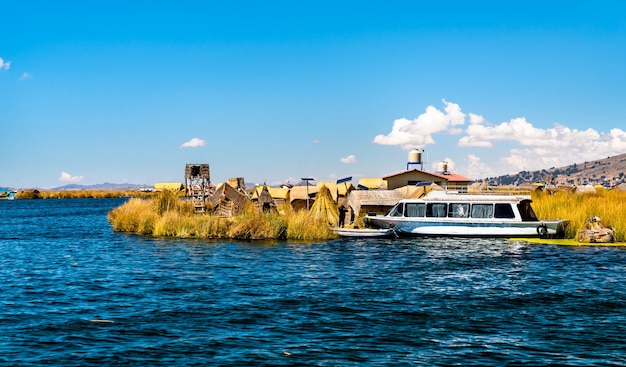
(364, 232)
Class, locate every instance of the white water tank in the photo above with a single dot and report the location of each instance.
(415, 156)
(443, 166)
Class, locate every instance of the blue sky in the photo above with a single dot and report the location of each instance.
(129, 92)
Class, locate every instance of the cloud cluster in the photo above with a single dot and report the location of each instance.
(66, 177)
(527, 147)
(193, 143)
(543, 148)
(419, 132)
(349, 159)
(4, 65)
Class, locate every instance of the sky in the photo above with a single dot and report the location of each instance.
(274, 91)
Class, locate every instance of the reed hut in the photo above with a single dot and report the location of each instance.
(227, 201)
(416, 192)
(238, 183)
(362, 202)
(264, 200)
(280, 195)
(298, 196)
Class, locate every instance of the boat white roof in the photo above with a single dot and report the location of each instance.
(441, 195)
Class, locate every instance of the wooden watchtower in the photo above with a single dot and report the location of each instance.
(197, 185)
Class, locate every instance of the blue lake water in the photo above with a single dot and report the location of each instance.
(75, 293)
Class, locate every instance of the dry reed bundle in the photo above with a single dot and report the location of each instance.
(324, 208)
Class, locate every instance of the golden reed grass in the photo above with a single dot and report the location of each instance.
(81, 194)
(166, 215)
(609, 205)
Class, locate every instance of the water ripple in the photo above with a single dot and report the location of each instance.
(77, 294)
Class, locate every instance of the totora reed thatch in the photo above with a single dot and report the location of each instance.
(324, 207)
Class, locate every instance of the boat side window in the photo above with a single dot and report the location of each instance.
(437, 210)
(504, 211)
(482, 210)
(397, 211)
(415, 209)
(458, 210)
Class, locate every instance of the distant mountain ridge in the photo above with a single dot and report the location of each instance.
(102, 186)
(608, 171)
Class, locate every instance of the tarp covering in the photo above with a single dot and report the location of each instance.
(373, 183)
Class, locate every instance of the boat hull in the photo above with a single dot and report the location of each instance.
(364, 232)
(426, 227)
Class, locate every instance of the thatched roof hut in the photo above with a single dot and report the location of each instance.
(298, 196)
(279, 194)
(378, 201)
(416, 192)
(263, 200)
(227, 201)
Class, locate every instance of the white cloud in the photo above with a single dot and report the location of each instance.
(4, 64)
(66, 177)
(316, 141)
(476, 169)
(511, 146)
(617, 139)
(481, 134)
(26, 76)
(193, 143)
(418, 132)
(349, 159)
(537, 148)
(475, 119)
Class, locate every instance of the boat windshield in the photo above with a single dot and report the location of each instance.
(396, 211)
(526, 211)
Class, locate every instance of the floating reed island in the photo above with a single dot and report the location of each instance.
(167, 214)
(261, 217)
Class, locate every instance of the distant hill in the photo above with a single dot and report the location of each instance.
(610, 170)
(103, 186)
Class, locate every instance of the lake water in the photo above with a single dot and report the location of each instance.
(75, 293)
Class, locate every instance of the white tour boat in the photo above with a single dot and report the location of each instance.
(443, 213)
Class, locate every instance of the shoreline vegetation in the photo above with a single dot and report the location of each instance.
(165, 214)
(81, 194)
